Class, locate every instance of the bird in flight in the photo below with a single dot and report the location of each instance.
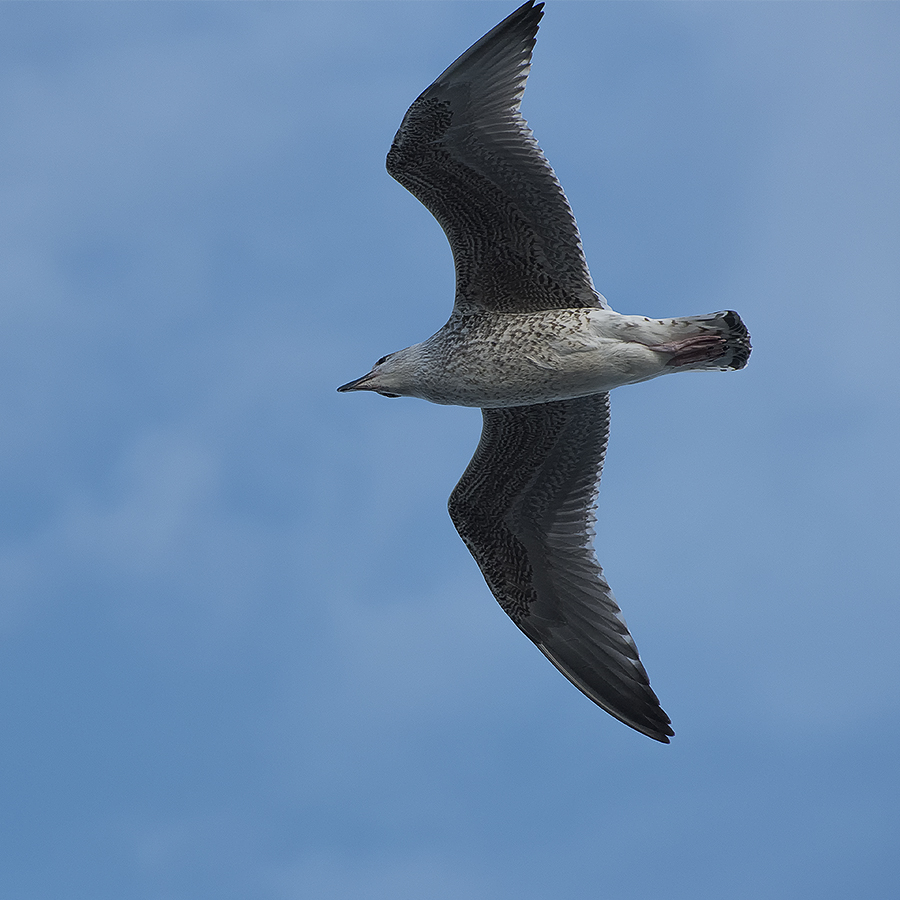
(533, 344)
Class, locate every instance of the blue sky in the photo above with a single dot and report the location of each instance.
(244, 653)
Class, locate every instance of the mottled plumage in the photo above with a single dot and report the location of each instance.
(533, 344)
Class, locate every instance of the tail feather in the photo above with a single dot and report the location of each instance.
(717, 341)
(737, 339)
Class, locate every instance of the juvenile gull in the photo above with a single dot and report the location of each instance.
(533, 344)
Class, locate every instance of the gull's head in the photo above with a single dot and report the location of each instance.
(393, 375)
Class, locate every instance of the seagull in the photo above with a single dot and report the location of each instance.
(532, 343)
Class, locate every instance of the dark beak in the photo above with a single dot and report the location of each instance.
(358, 385)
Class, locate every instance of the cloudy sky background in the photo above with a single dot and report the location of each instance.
(244, 653)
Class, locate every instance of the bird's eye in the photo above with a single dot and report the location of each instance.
(380, 361)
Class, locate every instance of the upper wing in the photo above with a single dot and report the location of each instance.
(464, 150)
(525, 509)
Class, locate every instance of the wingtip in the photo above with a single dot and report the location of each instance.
(516, 35)
(661, 736)
(661, 733)
(656, 732)
(529, 12)
(640, 711)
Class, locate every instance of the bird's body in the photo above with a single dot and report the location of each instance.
(533, 344)
(492, 360)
